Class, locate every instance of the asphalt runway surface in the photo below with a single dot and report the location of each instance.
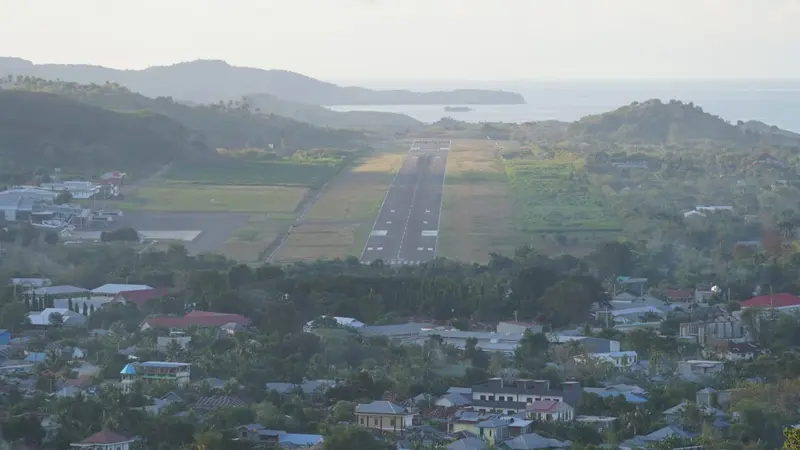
(407, 228)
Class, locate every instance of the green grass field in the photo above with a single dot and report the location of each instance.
(248, 244)
(243, 173)
(551, 194)
(184, 197)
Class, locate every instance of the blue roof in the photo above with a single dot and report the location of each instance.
(630, 398)
(301, 440)
(36, 357)
(128, 370)
(163, 364)
(3, 331)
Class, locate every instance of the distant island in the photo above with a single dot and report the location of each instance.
(457, 109)
(200, 81)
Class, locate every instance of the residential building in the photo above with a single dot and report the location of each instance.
(342, 321)
(736, 351)
(31, 283)
(113, 289)
(257, 433)
(695, 369)
(140, 297)
(620, 360)
(195, 318)
(781, 302)
(493, 430)
(550, 410)
(174, 372)
(105, 440)
(674, 415)
(175, 337)
(512, 396)
(214, 402)
(600, 423)
(638, 442)
(516, 327)
(383, 415)
(314, 390)
(70, 318)
(449, 400)
(468, 443)
(533, 441)
(679, 295)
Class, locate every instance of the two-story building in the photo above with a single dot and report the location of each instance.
(105, 440)
(383, 415)
(173, 372)
(516, 396)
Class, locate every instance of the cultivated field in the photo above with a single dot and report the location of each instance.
(253, 173)
(477, 216)
(181, 197)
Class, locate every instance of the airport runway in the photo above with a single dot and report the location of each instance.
(407, 228)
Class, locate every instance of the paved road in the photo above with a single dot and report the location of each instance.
(406, 230)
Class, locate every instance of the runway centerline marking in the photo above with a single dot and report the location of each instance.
(410, 213)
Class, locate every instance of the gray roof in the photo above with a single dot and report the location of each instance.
(380, 407)
(470, 443)
(456, 399)
(281, 387)
(394, 330)
(492, 423)
(459, 390)
(63, 289)
(534, 441)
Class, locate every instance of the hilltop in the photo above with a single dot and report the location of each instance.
(45, 130)
(212, 80)
(221, 125)
(654, 122)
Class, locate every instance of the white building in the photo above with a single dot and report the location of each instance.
(113, 289)
(42, 318)
(620, 360)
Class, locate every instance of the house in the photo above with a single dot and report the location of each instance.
(70, 318)
(732, 351)
(91, 303)
(600, 423)
(550, 410)
(383, 415)
(531, 441)
(510, 396)
(173, 372)
(5, 337)
(673, 415)
(195, 318)
(679, 295)
(112, 289)
(782, 302)
(341, 321)
(105, 440)
(630, 397)
(694, 369)
(620, 360)
(468, 443)
(638, 442)
(140, 297)
(178, 338)
(257, 433)
(36, 357)
(60, 291)
(449, 400)
(459, 390)
(214, 402)
(493, 430)
(515, 327)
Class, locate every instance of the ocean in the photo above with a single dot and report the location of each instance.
(775, 102)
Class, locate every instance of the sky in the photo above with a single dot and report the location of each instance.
(418, 39)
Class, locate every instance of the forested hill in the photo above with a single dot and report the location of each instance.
(220, 125)
(660, 123)
(208, 81)
(46, 130)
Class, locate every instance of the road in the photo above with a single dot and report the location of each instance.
(407, 227)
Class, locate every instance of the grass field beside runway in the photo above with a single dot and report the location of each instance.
(182, 197)
(310, 242)
(249, 242)
(477, 213)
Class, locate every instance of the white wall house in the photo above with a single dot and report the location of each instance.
(620, 360)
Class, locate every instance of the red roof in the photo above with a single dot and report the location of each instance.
(198, 318)
(678, 293)
(139, 298)
(772, 301)
(544, 405)
(106, 437)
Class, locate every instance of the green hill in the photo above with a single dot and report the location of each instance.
(46, 130)
(222, 125)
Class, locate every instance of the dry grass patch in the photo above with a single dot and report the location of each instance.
(248, 243)
(310, 242)
(357, 194)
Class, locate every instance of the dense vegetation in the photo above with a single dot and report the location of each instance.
(45, 130)
(200, 81)
(220, 125)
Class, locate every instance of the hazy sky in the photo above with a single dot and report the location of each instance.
(419, 39)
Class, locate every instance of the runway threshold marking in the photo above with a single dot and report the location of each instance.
(379, 232)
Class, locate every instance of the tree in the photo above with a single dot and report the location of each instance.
(352, 437)
(85, 311)
(91, 309)
(792, 441)
(63, 197)
(56, 319)
(532, 350)
(70, 306)
(13, 315)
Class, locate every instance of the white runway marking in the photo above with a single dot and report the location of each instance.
(388, 222)
(425, 222)
(419, 249)
(380, 248)
(369, 248)
(430, 249)
(430, 233)
(427, 210)
(379, 232)
(391, 211)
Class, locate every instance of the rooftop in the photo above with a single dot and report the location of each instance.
(772, 301)
(114, 289)
(105, 437)
(380, 407)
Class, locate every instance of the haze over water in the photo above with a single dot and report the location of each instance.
(776, 102)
